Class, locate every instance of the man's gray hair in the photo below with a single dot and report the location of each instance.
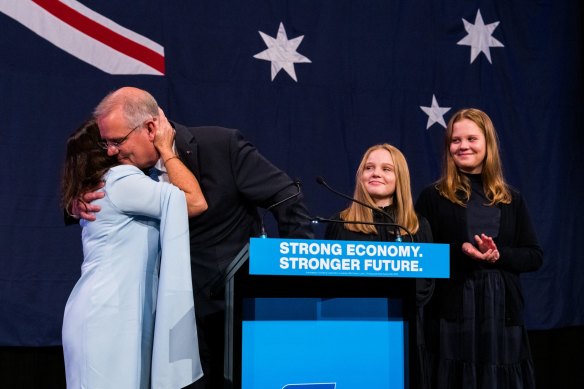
(137, 105)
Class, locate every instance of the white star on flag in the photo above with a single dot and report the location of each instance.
(435, 113)
(282, 52)
(479, 37)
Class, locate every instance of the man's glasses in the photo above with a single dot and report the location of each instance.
(106, 144)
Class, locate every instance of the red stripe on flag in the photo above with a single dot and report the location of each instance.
(103, 34)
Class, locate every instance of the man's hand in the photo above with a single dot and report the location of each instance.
(82, 207)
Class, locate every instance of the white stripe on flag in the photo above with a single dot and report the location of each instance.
(79, 44)
(77, 6)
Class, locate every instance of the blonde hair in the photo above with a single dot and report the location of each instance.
(453, 184)
(401, 198)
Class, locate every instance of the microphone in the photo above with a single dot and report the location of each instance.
(319, 219)
(398, 237)
(263, 233)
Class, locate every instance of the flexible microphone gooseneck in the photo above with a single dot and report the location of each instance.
(398, 237)
(263, 233)
(319, 219)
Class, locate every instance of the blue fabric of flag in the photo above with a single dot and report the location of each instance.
(372, 66)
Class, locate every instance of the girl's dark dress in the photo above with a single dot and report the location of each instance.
(475, 337)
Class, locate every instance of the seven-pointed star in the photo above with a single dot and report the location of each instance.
(282, 52)
(479, 37)
(435, 113)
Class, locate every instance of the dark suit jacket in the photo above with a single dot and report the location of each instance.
(235, 179)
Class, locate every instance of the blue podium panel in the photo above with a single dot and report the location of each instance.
(317, 343)
(299, 257)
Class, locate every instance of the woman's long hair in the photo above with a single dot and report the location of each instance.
(85, 164)
(401, 198)
(453, 184)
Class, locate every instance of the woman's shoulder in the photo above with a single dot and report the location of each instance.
(430, 189)
(126, 169)
(123, 175)
(334, 230)
(517, 199)
(336, 216)
(430, 192)
(422, 219)
(424, 233)
(120, 171)
(515, 193)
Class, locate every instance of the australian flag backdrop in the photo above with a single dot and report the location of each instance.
(312, 83)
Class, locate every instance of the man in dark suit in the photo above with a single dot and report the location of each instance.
(235, 179)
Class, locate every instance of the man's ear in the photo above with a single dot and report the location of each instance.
(152, 128)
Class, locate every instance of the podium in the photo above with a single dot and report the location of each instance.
(317, 314)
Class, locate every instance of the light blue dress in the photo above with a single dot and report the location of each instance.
(129, 321)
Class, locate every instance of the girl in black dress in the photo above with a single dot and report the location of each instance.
(475, 332)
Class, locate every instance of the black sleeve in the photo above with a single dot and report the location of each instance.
(424, 233)
(423, 204)
(424, 286)
(334, 231)
(292, 216)
(263, 184)
(68, 219)
(525, 253)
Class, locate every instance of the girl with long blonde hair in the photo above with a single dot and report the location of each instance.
(475, 336)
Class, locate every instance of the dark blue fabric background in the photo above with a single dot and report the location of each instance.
(374, 63)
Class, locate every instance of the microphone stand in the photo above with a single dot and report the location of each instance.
(398, 237)
(318, 219)
(263, 233)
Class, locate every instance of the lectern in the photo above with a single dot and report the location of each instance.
(325, 314)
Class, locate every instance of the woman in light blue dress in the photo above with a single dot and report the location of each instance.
(129, 321)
